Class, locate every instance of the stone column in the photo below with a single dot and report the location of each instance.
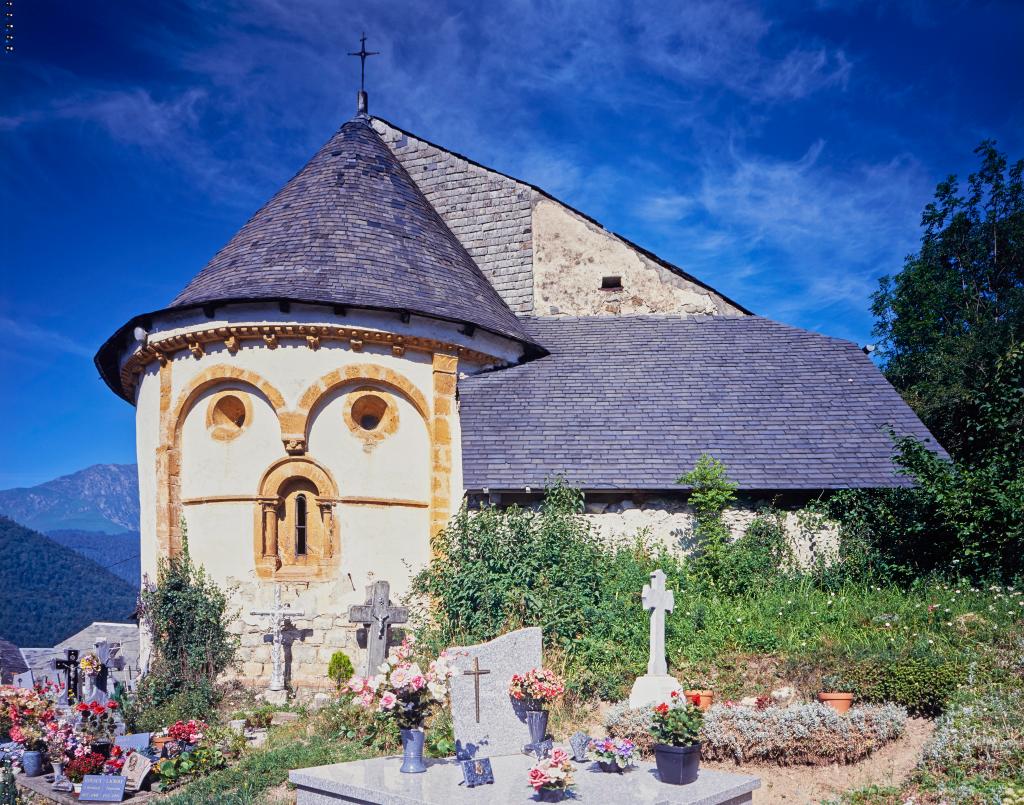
(270, 531)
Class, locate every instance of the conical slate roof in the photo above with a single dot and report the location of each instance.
(352, 228)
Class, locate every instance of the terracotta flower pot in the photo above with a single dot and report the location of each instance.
(707, 697)
(840, 702)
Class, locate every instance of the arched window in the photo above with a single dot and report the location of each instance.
(300, 525)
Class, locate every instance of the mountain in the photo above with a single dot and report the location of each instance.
(118, 553)
(49, 592)
(104, 497)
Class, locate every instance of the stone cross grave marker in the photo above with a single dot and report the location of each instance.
(98, 682)
(377, 615)
(69, 667)
(487, 721)
(657, 600)
(278, 614)
(656, 684)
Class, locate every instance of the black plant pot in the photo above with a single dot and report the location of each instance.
(677, 765)
(609, 767)
(102, 748)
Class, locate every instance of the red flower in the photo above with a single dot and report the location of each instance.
(695, 699)
(661, 708)
(675, 694)
(112, 705)
(97, 708)
(81, 707)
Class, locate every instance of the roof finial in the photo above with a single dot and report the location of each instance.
(362, 53)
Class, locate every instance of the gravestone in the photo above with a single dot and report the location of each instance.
(101, 679)
(656, 685)
(378, 616)
(24, 680)
(137, 740)
(135, 769)
(102, 788)
(501, 728)
(279, 614)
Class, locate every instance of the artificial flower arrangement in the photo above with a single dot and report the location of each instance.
(90, 664)
(678, 723)
(79, 767)
(96, 721)
(24, 713)
(614, 754)
(536, 688)
(187, 732)
(552, 774)
(402, 689)
(62, 743)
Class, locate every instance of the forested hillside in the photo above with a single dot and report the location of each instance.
(49, 592)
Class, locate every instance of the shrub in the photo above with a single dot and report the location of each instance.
(761, 556)
(980, 734)
(711, 491)
(340, 668)
(813, 734)
(187, 617)
(635, 724)
(922, 684)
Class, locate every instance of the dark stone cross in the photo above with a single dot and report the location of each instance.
(476, 673)
(69, 667)
(377, 615)
(101, 680)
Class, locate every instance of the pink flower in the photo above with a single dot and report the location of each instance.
(418, 682)
(388, 701)
(355, 685)
(538, 779)
(559, 756)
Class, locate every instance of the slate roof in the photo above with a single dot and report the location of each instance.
(352, 228)
(11, 661)
(632, 402)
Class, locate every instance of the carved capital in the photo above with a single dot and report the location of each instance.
(294, 445)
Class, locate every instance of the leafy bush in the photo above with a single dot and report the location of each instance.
(761, 555)
(340, 668)
(187, 617)
(633, 723)
(711, 491)
(922, 684)
(980, 734)
(813, 734)
(342, 720)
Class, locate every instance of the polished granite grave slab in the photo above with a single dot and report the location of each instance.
(378, 782)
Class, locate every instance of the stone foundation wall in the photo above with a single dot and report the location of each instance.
(671, 522)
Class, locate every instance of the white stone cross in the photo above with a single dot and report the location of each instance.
(657, 600)
(279, 614)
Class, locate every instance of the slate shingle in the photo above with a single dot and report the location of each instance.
(632, 402)
(352, 228)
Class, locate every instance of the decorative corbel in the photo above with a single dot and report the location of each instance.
(356, 344)
(196, 348)
(313, 341)
(271, 340)
(294, 445)
(232, 344)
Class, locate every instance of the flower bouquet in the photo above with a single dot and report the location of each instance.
(89, 763)
(187, 732)
(613, 754)
(534, 689)
(90, 664)
(404, 691)
(27, 712)
(551, 777)
(676, 728)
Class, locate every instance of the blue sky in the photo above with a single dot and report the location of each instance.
(781, 152)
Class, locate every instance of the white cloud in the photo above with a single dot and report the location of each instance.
(42, 338)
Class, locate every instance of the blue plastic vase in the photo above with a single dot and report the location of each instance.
(412, 751)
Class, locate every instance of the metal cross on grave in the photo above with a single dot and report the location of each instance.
(377, 615)
(69, 667)
(278, 614)
(657, 600)
(476, 673)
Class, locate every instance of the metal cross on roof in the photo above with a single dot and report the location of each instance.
(362, 53)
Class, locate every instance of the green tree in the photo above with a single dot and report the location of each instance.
(956, 307)
(711, 491)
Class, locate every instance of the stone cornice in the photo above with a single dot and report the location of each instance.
(270, 336)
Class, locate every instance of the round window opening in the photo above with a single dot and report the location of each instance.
(368, 411)
(229, 413)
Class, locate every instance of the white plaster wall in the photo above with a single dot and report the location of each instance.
(571, 255)
(147, 439)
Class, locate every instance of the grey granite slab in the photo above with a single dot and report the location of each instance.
(502, 728)
(378, 782)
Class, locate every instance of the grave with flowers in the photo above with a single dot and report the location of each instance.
(499, 694)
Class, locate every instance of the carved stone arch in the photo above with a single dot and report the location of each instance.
(213, 376)
(356, 373)
(283, 483)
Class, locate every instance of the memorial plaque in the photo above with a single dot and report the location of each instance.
(477, 772)
(137, 740)
(102, 788)
(135, 769)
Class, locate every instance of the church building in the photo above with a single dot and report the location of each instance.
(400, 328)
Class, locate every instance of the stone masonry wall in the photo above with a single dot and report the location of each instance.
(671, 522)
(489, 213)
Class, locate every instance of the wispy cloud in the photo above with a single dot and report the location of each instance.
(42, 338)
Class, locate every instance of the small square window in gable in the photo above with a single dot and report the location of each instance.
(611, 283)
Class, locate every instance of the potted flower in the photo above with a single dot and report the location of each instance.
(676, 727)
(836, 693)
(32, 739)
(61, 744)
(407, 693)
(702, 690)
(535, 689)
(28, 711)
(551, 777)
(613, 754)
(97, 724)
(189, 733)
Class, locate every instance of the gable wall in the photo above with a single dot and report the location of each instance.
(489, 213)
